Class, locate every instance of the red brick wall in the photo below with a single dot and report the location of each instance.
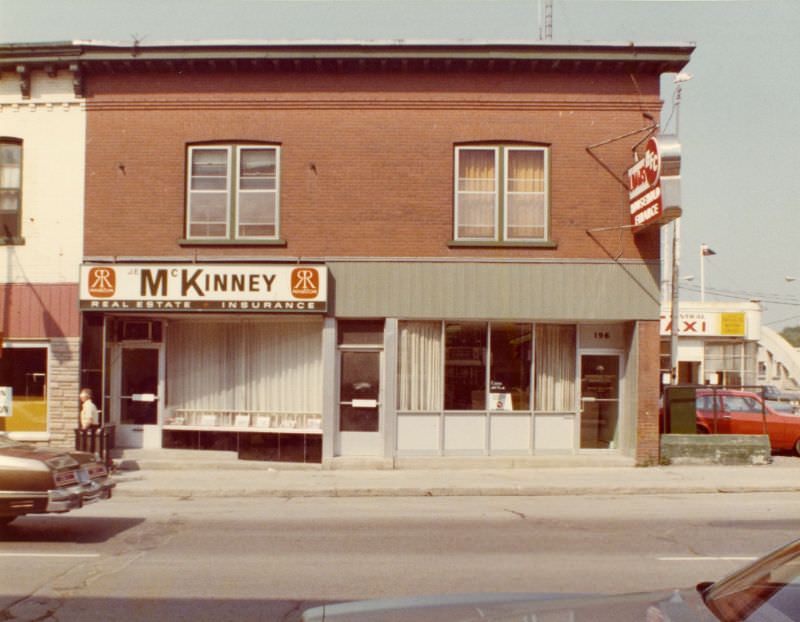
(367, 158)
(647, 437)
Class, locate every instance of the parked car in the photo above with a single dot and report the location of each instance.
(781, 407)
(39, 480)
(726, 411)
(767, 590)
(771, 392)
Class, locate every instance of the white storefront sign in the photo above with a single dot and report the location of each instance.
(707, 324)
(204, 288)
(6, 401)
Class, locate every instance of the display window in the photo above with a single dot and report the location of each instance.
(23, 378)
(460, 366)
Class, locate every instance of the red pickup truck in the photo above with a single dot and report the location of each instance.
(742, 412)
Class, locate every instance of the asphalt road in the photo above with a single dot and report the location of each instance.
(267, 559)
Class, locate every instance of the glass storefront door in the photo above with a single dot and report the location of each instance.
(360, 403)
(136, 396)
(600, 401)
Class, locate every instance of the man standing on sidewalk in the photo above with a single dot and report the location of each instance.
(90, 416)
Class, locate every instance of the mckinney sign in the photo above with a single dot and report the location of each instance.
(210, 288)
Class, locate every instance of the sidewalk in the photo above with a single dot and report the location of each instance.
(260, 480)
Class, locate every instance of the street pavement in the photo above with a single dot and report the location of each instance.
(186, 479)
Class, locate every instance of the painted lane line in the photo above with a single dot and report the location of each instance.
(729, 558)
(49, 554)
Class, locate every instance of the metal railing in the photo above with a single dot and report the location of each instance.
(99, 440)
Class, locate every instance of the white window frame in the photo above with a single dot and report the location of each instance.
(276, 192)
(546, 161)
(232, 190)
(458, 192)
(44, 345)
(500, 224)
(19, 143)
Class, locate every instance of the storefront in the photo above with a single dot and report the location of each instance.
(510, 388)
(476, 359)
(717, 343)
(236, 358)
(208, 356)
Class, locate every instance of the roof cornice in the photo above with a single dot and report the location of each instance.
(97, 57)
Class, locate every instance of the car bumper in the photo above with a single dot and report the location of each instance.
(74, 497)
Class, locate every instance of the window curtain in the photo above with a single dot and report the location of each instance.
(262, 367)
(525, 194)
(476, 193)
(420, 378)
(555, 367)
(208, 192)
(10, 156)
(257, 199)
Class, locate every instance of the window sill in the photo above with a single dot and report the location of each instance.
(502, 244)
(229, 242)
(29, 436)
(13, 241)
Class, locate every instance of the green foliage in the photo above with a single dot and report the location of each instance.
(792, 335)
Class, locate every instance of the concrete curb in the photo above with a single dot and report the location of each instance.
(519, 491)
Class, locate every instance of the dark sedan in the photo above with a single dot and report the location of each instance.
(39, 480)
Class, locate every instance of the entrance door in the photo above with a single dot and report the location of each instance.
(600, 401)
(360, 431)
(136, 396)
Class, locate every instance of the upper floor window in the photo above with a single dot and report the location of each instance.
(10, 188)
(233, 192)
(501, 193)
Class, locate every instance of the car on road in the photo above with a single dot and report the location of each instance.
(767, 590)
(727, 411)
(38, 480)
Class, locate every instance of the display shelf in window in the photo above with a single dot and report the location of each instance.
(243, 421)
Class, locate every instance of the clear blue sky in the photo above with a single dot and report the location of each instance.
(738, 119)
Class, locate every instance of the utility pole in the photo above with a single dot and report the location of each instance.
(674, 302)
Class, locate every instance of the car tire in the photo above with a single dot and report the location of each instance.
(701, 430)
(797, 447)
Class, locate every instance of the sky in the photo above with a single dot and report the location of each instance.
(738, 116)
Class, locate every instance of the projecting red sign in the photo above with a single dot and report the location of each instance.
(644, 179)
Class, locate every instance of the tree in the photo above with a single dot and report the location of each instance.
(792, 335)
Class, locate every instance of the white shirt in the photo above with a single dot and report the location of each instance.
(89, 414)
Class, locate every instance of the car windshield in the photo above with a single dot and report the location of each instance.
(766, 591)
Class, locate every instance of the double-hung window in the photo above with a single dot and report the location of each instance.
(501, 193)
(10, 189)
(233, 192)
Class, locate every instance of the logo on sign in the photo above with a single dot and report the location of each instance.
(645, 189)
(305, 283)
(102, 282)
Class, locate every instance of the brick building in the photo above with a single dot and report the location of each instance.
(322, 251)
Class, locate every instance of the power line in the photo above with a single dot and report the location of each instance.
(760, 296)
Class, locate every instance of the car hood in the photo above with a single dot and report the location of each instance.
(672, 606)
(43, 454)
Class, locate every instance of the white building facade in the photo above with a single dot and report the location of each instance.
(42, 164)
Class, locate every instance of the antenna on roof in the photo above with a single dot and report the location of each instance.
(545, 20)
